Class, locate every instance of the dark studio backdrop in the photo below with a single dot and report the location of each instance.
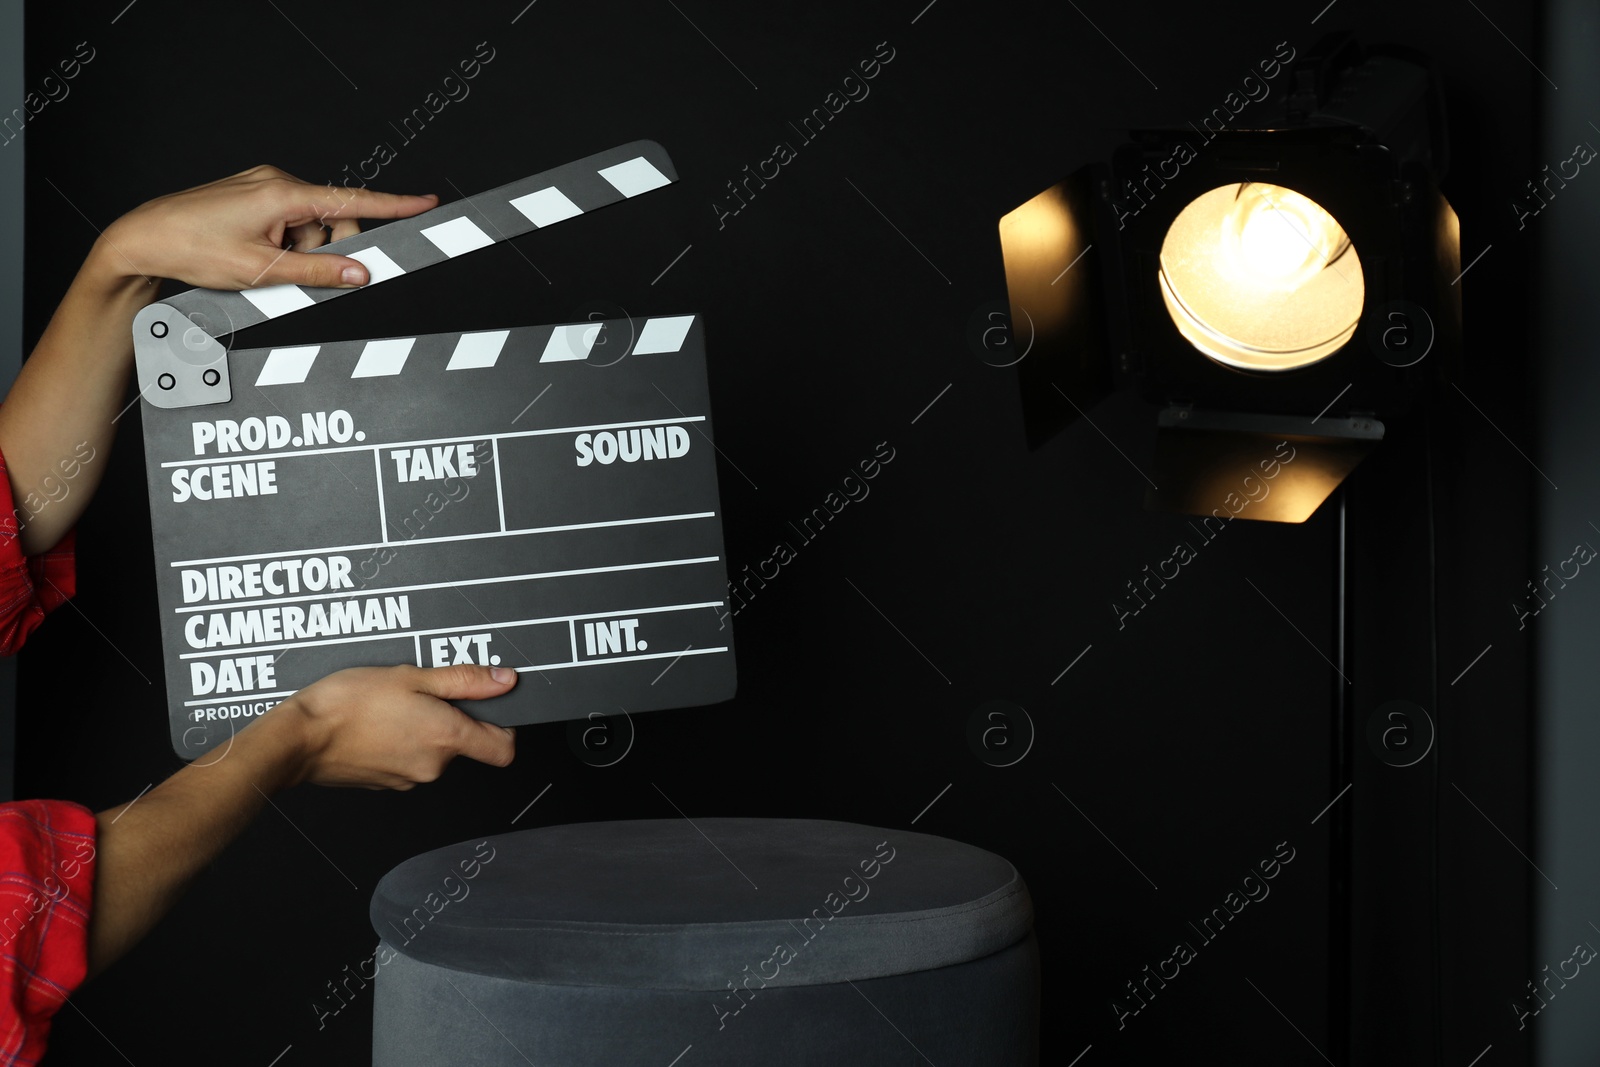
(1171, 755)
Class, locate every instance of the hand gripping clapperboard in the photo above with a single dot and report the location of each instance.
(403, 500)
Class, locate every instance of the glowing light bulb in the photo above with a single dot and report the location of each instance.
(1275, 243)
(1280, 236)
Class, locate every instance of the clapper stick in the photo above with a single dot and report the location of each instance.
(539, 497)
(180, 363)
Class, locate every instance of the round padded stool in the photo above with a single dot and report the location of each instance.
(720, 941)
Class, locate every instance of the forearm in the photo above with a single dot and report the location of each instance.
(377, 727)
(147, 852)
(69, 391)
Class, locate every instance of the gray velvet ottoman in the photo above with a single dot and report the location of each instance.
(663, 942)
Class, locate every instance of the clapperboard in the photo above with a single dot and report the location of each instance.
(400, 500)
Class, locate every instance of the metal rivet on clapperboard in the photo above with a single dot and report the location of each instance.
(166, 381)
(159, 329)
(211, 377)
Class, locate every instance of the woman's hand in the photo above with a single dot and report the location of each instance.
(391, 727)
(250, 230)
(253, 229)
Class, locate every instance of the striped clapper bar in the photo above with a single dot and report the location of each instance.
(537, 497)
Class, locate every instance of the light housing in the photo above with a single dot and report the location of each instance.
(1108, 285)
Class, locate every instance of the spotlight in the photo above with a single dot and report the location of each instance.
(1267, 284)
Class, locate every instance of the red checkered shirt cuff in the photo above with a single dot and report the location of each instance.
(30, 586)
(47, 865)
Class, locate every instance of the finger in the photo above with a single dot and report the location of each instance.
(464, 681)
(327, 203)
(485, 742)
(307, 236)
(343, 228)
(303, 268)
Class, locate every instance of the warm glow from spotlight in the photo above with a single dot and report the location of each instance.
(1260, 277)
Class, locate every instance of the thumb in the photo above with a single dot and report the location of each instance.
(485, 742)
(318, 270)
(464, 681)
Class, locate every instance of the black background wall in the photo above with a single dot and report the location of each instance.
(1174, 754)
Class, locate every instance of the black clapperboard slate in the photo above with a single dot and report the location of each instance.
(383, 501)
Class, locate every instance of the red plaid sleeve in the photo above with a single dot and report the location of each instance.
(30, 586)
(47, 861)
